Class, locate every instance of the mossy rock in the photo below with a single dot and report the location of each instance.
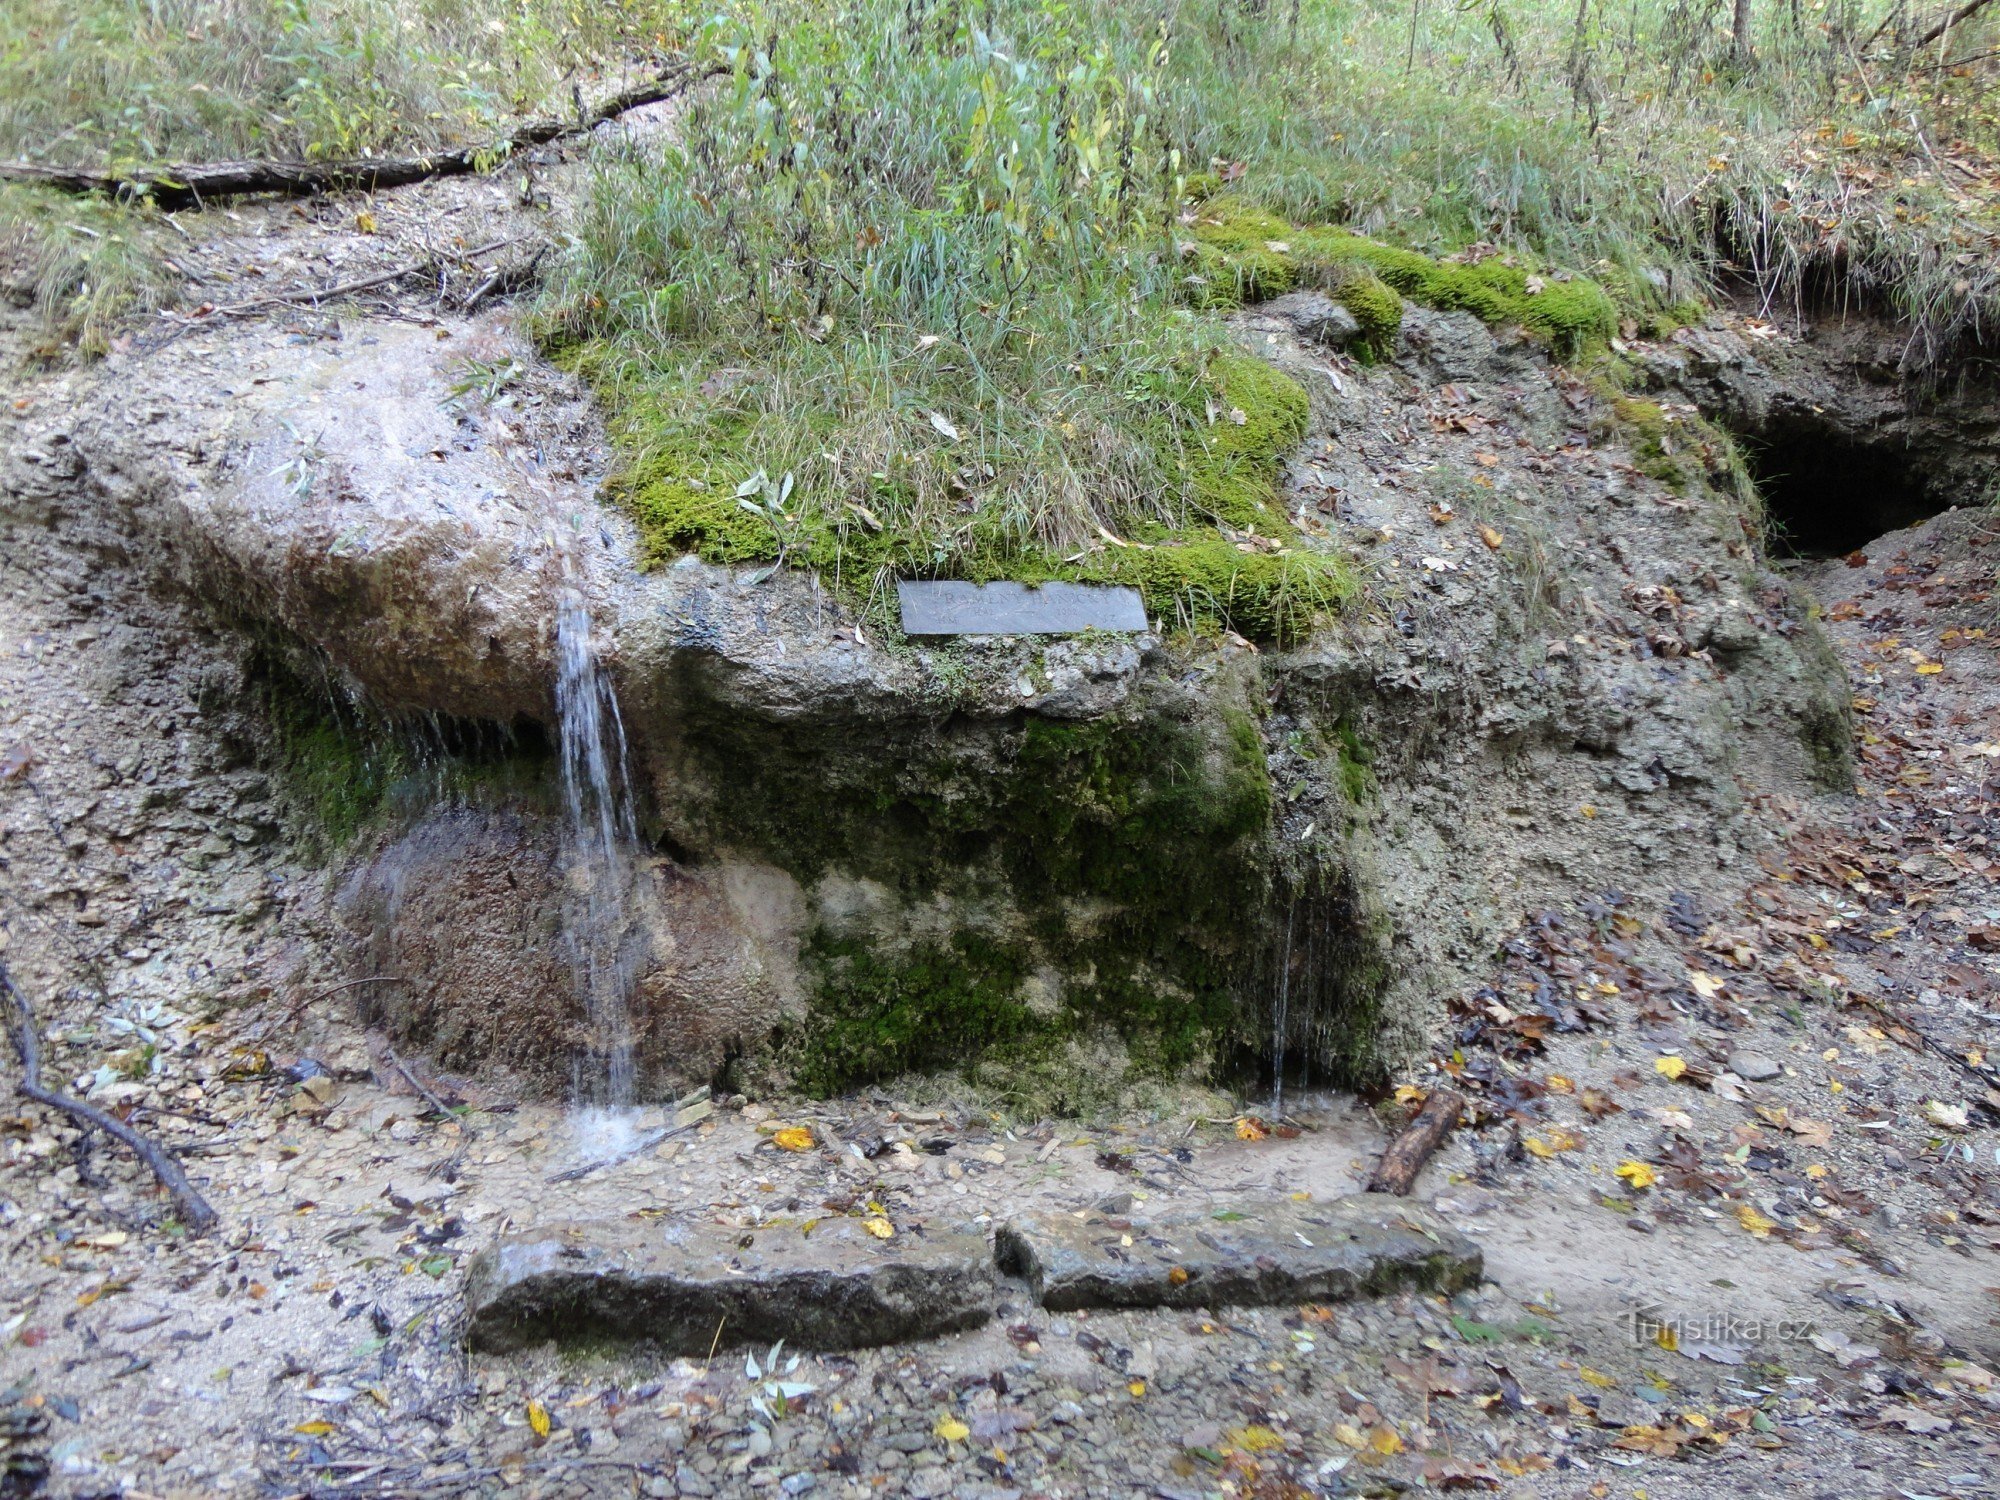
(1039, 887)
(1244, 253)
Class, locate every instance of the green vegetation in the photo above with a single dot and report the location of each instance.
(1246, 252)
(123, 82)
(91, 82)
(342, 768)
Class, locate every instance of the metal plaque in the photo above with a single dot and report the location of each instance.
(949, 608)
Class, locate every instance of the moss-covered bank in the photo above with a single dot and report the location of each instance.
(994, 895)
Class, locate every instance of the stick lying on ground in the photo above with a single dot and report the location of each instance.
(192, 1207)
(1397, 1171)
(186, 186)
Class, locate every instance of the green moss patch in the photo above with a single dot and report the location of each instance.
(1244, 253)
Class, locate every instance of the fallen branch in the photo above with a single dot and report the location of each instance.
(1416, 1144)
(22, 1031)
(1965, 12)
(189, 185)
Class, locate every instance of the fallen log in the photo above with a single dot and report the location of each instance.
(1416, 1143)
(189, 185)
(27, 1038)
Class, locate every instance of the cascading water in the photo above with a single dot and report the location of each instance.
(600, 838)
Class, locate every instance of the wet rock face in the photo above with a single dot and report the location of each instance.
(463, 913)
(682, 1287)
(1135, 855)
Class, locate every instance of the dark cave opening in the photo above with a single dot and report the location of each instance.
(1828, 493)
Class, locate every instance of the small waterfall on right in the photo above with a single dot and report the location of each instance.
(600, 839)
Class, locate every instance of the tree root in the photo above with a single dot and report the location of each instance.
(190, 185)
(21, 1029)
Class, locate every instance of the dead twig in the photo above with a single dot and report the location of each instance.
(646, 1143)
(26, 1037)
(189, 185)
(428, 1094)
(319, 296)
(448, 1167)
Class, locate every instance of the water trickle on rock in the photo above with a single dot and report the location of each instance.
(600, 836)
(1281, 1016)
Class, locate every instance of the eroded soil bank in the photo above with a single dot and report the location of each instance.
(279, 835)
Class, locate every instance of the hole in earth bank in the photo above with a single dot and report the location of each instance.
(1828, 492)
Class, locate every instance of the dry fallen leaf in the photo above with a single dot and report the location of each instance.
(1753, 1221)
(1670, 1067)
(538, 1418)
(1248, 1129)
(1637, 1173)
(1492, 538)
(881, 1228)
(1948, 1116)
(793, 1138)
(952, 1430)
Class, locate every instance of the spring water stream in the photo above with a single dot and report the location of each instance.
(600, 840)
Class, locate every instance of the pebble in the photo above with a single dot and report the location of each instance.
(1754, 1067)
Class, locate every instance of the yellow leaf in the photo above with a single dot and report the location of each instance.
(1248, 1129)
(952, 1430)
(1596, 1377)
(1753, 1221)
(319, 1427)
(365, 222)
(1492, 538)
(1564, 1140)
(1558, 1084)
(1409, 1093)
(882, 1229)
(538, 1418)
(1177, 1276)
(1670, 1067)
(1538, 1146)
(1384, 1441)
(1705, 985)
(1637, 1173)
(1929, 669)
(793, 1138)
(1137, 1387)
(1253, 1439)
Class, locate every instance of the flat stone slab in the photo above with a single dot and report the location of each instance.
(1269, 1251)
(951, 608)
(675, 1284)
